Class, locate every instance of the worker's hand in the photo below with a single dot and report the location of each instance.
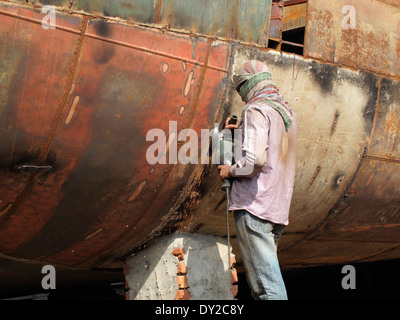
(224, 172)
(231, 126)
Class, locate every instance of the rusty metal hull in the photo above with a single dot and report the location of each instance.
(83, 110)
(372, 44)
(77, 102)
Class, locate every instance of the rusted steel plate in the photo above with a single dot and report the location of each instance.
(60, 3)
(365, 225)
(243, 20)
(318, 252)
(375, 196)
(373, 43)
(294, 16)
(288, 3)
(34, 68)
(276, 19)
(103, 197)
(138, 10)
(246, 20)
(385, 142)
(394, 3)
(368, 212)
(385, 255)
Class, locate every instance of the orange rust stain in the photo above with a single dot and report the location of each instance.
(93, 234)
(366, 228)
(200, 84)
(398, 48)
(393, 122)
(72, 110)
(158, 11)
(67, 90)
(370, 179)
(138, 191)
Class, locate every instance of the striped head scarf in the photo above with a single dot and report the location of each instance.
(254, 83)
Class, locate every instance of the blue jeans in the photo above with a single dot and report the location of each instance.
(258, 244)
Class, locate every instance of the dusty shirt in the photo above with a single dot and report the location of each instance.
(264, 176)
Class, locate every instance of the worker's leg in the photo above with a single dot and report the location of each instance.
(257, 242)
(246, 251)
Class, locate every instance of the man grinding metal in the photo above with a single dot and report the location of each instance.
(261, 199)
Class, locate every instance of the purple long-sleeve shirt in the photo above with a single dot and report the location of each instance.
(264, 176)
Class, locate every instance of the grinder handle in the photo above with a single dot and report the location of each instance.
(226, 185)
(233, 120)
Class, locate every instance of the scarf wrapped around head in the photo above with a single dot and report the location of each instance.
(254, 84)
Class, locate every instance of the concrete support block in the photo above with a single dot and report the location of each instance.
(182, 266)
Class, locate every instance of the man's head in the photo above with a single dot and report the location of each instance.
(252, 76)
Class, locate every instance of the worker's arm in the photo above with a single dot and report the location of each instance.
(254, 144)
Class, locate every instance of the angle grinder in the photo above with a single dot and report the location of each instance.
(223, 145)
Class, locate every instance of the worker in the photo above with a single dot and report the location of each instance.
(263, 178)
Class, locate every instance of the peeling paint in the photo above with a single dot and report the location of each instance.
(138, 190)
(72, 110)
